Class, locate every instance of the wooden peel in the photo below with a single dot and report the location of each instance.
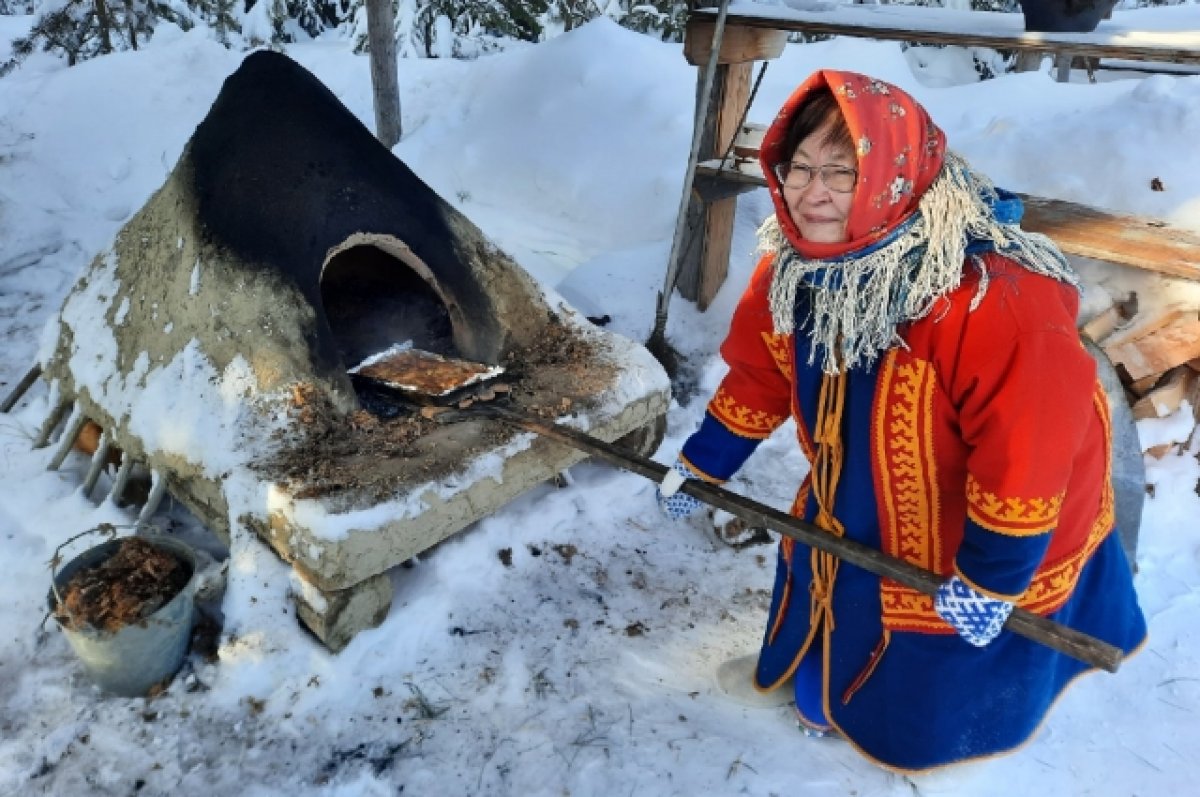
(1043, 630)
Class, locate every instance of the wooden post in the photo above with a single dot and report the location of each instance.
(381, 38)
(705, 260)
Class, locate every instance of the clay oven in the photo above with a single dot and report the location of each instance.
(286, 246)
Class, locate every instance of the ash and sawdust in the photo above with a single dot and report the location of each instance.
(124, 589)
(365, 457)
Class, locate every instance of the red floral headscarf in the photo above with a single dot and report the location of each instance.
(898, 147)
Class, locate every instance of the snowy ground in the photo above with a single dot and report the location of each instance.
(587, 667)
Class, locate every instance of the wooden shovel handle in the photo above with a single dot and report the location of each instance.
(1043, 630)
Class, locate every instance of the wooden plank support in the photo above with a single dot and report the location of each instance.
(122, 479)
(67, 441)
(711, 210)
(51, 423)
(99, 459)
(739, 45)
(158, 488)
(26, 382)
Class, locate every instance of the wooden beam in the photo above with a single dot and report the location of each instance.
(740, 44)
(914, 25)
(1130, 240)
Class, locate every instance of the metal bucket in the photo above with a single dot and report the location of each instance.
(131, 660)
(1128, 467)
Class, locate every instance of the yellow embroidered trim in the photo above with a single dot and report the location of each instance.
(780, 347)
(800, 502)
(742, 420)
(1012, 515)
(905, 609)
(908, 487)
(1055, 580)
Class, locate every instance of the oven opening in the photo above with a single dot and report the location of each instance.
(374, 301)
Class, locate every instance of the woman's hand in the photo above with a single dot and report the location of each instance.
(674, 504)
(976, 617)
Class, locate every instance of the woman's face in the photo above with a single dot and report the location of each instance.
(820, 213)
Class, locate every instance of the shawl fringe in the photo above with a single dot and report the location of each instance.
(860, 300)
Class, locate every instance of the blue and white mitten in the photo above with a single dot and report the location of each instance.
(674, 504)
(976, 617)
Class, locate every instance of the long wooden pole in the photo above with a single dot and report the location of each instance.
(1040, 629)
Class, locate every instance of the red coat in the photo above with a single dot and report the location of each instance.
(982, 448)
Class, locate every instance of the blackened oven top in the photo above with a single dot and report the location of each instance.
(283, 172)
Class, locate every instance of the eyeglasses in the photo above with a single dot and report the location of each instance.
(798, 175)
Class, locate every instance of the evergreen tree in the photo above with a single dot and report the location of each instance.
(16, 6)
(314, 16)
(221, 16)
(478, 25)
(663, 18)
(82, 29)
(263, 21)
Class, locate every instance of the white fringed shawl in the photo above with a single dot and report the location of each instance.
(859, 301)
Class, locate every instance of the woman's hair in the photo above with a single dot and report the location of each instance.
(819, 109)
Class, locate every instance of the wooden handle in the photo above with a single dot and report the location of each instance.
(1032, 626)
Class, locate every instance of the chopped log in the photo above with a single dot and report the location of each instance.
(739, 45)
(1141, 387)
(1180, 383)
(1102, 325)
(1144, 324)
(1161, 450)
(1171, 344)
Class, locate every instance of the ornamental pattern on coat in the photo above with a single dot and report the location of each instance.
(1055, 580)
(1013, 515)
(742, 420)
(909, 501)
(908, 486)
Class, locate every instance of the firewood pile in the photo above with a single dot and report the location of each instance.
(1157, 355)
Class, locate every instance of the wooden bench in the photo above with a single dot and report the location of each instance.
(760, 33)
(1149, 35)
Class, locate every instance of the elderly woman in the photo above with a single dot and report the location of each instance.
(926, 347)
